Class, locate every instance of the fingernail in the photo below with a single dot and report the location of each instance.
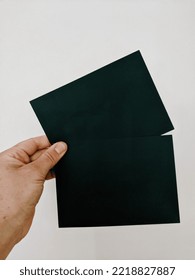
(61, 147)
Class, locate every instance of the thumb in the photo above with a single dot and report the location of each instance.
(50, 157)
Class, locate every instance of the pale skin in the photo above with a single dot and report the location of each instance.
(23, 171)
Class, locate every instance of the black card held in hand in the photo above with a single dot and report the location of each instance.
(118, 169)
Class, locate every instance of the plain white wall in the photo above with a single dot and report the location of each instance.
(45, 44)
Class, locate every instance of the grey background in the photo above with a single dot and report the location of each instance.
(45, 44)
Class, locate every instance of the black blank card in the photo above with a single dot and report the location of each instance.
(118, 169)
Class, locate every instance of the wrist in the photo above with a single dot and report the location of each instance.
(8, 239)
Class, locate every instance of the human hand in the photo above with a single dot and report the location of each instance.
(23, 171)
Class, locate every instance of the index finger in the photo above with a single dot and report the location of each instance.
(30, 146)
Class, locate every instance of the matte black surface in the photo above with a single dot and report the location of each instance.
(116, 101)
(117, 182)
(111, 175)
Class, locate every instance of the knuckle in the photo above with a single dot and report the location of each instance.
(50, 157)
